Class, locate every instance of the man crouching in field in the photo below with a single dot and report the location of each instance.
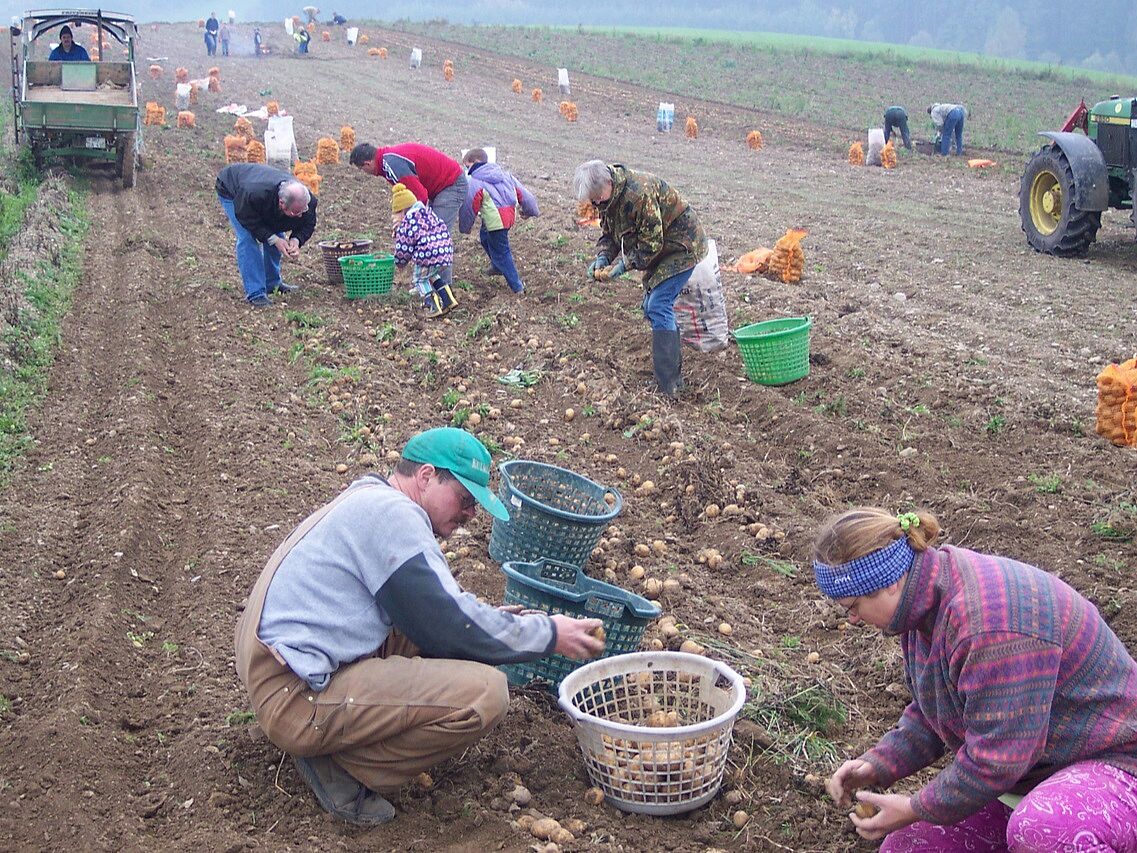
(364, 659)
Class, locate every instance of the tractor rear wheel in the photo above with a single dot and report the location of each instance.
(127, 159)
(1053, 225)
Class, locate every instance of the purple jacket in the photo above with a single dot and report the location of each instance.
(1013, 671)
(494, 194)
(422, 238)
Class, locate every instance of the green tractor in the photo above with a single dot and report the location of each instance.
(1076, 176)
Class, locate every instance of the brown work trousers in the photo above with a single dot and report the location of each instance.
(384, 719)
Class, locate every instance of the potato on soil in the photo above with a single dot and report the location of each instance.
(865, 810)
(594, 796)
(544, 828)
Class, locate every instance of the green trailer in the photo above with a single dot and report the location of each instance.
(77, 111)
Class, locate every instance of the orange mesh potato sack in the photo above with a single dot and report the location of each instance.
(273, 108)
(235, 150)
(364, 39)
(888, 155)
(194, 93)
(327, 151)
(347, 137)
(186, 118)
(691, 128)
(182, 75)
(372, 51)
(788, 259)
(243, 127)
(537, 96)
(254, 152)
(515, 86)
(754, 140)
(214, 83)
(382, 53)
(214, 72)
(856, 154)
(155, 72)
(1117, 403)
(325, 36)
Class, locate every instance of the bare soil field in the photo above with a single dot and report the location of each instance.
(185, 434)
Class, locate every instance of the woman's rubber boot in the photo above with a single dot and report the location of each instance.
(439, 300)
(667, 359)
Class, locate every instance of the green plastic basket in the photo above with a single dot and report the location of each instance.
(553, 514)
(560, 588)
(367, 275)
(775, 352)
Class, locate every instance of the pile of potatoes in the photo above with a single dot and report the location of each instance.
(550, 829)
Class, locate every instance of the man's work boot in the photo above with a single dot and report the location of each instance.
(342, 794)
(667, 361)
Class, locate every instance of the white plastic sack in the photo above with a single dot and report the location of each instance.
(352, 34)
(181, 98)
(280, 140)
(563, 81)
(288, 25)
(416, 57)
(700, 308)
(876, 145)
(664, 117)
(232, 17)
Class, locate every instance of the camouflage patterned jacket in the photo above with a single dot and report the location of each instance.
(651, 224)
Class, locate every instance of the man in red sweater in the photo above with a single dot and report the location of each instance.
(437, 181)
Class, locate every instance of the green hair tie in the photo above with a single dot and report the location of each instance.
(908, 520)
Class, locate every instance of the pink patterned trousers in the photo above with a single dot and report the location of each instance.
(1089, 807)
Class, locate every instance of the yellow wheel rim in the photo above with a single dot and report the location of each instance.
(1046, 202)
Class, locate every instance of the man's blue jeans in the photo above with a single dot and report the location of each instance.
(953, 127)
(496, 244)
(258, 262)
(659, 302)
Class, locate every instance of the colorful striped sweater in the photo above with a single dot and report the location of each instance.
(422, 238)
(1012, 670)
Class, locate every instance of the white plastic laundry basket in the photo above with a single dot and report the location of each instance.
(654, 727)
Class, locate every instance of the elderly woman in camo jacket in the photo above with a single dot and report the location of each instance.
(645, 225)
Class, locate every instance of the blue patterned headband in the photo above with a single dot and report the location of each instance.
(866, 574)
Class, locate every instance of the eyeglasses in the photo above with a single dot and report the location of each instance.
(464, 497)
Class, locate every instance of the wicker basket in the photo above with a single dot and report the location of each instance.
(775, 352)
(335, 249)
(655, 727)
(561, 588)
(553, 514)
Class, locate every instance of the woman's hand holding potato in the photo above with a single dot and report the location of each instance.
(850, 776)
(893, 811)
(575, 637)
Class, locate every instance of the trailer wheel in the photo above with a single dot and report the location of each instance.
(127, 159)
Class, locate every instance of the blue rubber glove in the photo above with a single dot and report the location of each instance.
(598, 264)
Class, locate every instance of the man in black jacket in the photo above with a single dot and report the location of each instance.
(273, 214)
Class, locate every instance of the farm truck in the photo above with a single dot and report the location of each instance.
(80, 110)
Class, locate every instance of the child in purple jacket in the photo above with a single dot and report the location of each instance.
(495, 195)
(1011, 671)
(422, 239)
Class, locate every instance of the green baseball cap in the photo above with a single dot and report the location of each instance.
(463, 456)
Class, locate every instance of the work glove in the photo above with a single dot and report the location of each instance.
(609, 273)
(598, 264)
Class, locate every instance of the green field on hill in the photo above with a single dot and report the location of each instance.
(841, 83)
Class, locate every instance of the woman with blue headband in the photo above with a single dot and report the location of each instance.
(1011, 671)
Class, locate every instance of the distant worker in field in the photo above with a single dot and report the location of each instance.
(303, 38)
(948, 120)
(1012, 672)
(422, 240)
(438, 181)
(273, 215)
(496, 196)
(225, 34)
(897, 118)
(67, 50)
(257, 52)
(311, 12)
(338, 19)
(645, 225)
(212, 27)
(363, 658)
